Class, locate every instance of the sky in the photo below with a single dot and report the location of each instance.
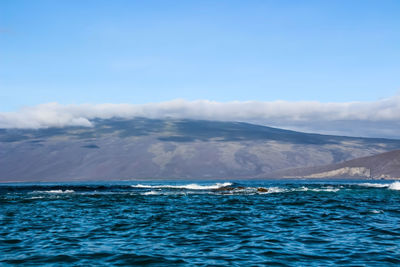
(140, 52)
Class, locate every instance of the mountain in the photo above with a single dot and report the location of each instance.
(141, 148)
(382, 166)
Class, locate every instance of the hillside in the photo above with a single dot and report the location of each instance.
(382, 166)
(117, 149)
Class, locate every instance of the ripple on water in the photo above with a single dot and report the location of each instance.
(190, 224)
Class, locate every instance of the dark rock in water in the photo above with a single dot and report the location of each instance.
(262, 189)
(225, 188)
(229, 188)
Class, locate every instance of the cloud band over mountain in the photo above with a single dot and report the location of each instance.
(374, 119)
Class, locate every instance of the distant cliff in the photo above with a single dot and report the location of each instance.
(141, 148)
(381, 166)
(342, 172)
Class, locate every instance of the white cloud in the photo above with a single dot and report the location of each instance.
(380, 118)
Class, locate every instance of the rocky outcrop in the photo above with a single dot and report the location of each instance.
(381, 166)
(262, 190)
(342, 172)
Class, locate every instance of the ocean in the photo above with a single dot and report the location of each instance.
(237, 223)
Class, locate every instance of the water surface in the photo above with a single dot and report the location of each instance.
(235, 223)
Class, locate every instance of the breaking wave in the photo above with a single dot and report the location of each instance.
(374, 185)
(150, 193)
(218, 188)
(56, 191)
(227, 188)
(324, 189)
(395, 186)
(188, 186)
(392, 186)
(277, 190)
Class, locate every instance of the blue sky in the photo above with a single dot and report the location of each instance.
(75, 52)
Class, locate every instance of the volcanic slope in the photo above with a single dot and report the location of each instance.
(141, 148)
(382, 166)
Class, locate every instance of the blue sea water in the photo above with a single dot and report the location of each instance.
(294, 223)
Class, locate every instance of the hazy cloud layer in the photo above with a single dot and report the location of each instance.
(379, 119)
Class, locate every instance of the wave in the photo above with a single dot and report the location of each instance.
(324, 189)
(188, 186)
(56, 191)
(301, 189)
(376, 211)
(150, 193)
(201, 188)
(232, 190)
(395, 186)
(277, 190)
(374, 185)
(392, 186)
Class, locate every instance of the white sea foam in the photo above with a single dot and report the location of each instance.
(150, 193)
(56, 191)
(142, 186)
(276, 190)
(324, 189)
(374, 185)
(188, 186)
(392, 186)
(246, 190)
(163, 193)
(395, 186)
(303, 188)
(376, 211)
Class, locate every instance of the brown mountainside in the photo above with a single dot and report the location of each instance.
(381, 166)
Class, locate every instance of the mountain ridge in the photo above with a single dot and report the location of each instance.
(141, 148)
